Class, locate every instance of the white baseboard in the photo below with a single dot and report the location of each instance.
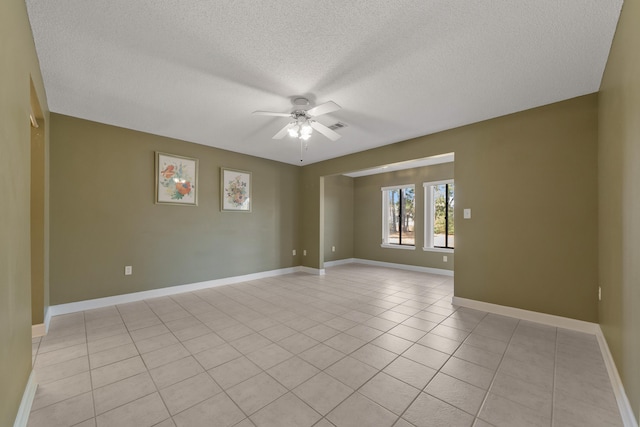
(339, 262)
(22, 418)
(626, 411)
(429, 270)
(311, 270)
(73, 307)
(533, 316)
(41, 329)
(38, 330)
(624, 406)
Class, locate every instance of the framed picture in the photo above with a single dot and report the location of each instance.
(176, 180)
(235, 191)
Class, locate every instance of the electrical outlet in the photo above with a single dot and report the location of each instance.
(294, 252)
(304, 252)
(128, 270)
(333, 248)
(599, 293)
(444, 258)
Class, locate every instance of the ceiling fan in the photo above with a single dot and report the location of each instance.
(303, 122)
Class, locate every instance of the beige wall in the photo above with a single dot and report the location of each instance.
(338, 217)
(619, 207)
(18, 63)
(530, 180)
(368, 211)
(103, 215)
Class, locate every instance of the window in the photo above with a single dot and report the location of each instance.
(439, 220)
(398, 217)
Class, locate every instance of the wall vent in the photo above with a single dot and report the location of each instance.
(338, 125)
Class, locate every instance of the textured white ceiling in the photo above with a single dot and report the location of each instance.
(195, 70)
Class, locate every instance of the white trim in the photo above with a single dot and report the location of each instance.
(442, 181)
(41, 329)
(73, 307)
(409, 164)
(47, 320)
(533, 316)
(405, 247)
(22, 417)
(444, 250)
(624, 406)
(421, 269)
(398, 187)
(339, 262)
(38, 330)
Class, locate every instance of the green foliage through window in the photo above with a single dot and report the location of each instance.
(442, 198)
(400, 216)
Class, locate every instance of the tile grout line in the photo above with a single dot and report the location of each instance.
(439, 369)
(148, 371)
(555, 369)
(495, 374)
(86, 333)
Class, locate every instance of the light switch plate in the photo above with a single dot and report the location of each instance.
(128, 270)
(467, 214)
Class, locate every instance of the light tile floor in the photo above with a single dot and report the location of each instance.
(361, 346)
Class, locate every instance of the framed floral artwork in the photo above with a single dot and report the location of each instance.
(176, 180)
(235, 192)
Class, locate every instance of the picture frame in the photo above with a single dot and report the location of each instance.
(235, 190)
(176, 180)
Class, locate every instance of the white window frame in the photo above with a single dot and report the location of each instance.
(385, 217)
(429, 213)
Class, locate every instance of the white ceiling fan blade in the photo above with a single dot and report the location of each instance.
(270, 113)
(283, 132)
(325, 131)
(327, 107)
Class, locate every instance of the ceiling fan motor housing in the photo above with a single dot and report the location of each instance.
(303, 102)
(300, 115)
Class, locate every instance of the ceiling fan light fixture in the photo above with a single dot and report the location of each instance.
(306, 129)
(293, 131)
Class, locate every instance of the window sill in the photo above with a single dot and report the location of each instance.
(448, 251)
(405, 247)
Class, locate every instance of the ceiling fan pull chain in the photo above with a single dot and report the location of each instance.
(300, 151)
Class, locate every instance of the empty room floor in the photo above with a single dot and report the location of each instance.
(360, 346)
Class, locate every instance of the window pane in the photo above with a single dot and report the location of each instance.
(408, 217)
(439, 223)
(394, 205)
(450, 213)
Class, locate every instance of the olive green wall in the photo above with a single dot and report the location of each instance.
(18, 63)
(103, 215)
(368, 211)
(619, 207)
(38, 218)
(338, 217)
(530, 180)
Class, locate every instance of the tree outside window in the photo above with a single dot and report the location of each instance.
(439, 221)
(399, 216)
